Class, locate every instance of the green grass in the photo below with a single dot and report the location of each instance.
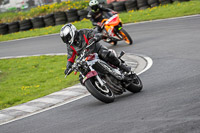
(176, 9)
(25, 79)
(166, 11)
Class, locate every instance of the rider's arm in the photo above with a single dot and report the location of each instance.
(105, 9)
(71, 54)
(94, 35)
(91, 17)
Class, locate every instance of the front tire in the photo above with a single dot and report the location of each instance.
(126, 37)
(136, 85)
(103, 94)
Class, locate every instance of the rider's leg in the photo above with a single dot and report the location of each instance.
(111, 57)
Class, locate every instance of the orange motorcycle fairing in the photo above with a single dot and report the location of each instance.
(113, 21)
(110, 23)
(114, 31)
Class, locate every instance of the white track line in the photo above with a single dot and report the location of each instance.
(149, 64)
(37, 112)
(148, 59)
(51, 54)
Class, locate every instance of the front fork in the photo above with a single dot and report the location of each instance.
(116, 31)
(97, 76)
(91, 74)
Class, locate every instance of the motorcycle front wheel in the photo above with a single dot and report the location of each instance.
(104, 94)
(126, 37)
(136, 85)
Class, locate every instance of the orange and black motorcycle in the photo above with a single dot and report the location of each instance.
(113, 31)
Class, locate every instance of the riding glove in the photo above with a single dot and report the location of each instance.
(69, 65)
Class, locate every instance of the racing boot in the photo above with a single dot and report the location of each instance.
(117, 62)
(111, 57)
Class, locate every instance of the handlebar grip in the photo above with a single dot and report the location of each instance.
(70, 71)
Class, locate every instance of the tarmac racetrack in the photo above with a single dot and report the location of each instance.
(169, 102)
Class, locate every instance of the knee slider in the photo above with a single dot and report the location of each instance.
(112, 53)
(112, 57)
(104, 54)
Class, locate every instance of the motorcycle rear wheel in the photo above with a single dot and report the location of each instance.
(126, 37)
(136, 86)
(102, 94)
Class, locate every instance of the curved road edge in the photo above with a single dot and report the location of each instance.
(139, 63)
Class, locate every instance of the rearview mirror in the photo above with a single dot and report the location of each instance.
(121, 54)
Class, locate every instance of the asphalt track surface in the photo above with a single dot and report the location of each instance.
(169, 102)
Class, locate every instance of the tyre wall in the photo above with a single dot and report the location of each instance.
(119, 6)
(60, 18)
(82, 14)
(38, 22)
(13, 27)
(49, 20)
(131, 5)
(72, 15)
(3, 29)
(25, 25)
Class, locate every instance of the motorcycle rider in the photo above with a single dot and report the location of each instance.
(97, 13)
(77, 40)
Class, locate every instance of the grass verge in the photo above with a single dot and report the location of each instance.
(166, 11)
(25, 79)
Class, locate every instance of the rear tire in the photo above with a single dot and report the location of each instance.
(126, 37)
(93, 87)
(136, 86)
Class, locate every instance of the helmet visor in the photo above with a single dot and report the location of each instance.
(69, 39)
(95, 7)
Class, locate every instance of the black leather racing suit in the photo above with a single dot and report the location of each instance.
(99, 15)
(82, 39)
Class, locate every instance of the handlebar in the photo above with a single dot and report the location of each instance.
(77, 60)
(70, 71)
(90, 44)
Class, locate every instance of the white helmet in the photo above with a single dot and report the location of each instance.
(94, 4)
(67, 33)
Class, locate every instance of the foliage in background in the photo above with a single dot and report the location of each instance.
(41, 11)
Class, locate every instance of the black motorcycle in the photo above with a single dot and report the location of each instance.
(104, 80)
